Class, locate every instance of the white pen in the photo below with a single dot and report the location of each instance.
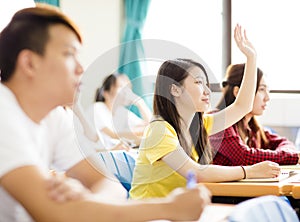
(191, 180)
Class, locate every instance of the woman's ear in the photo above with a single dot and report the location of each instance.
(175, 90)
(105, 94)
(236, 90)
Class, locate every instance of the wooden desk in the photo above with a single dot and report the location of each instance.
(286, 187)
(238, 189)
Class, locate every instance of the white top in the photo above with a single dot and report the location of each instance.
(122, 120)
(48, 145)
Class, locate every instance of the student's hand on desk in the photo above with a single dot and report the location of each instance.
(189, 202)
(62, 188)
(265, 169)
(122, 146)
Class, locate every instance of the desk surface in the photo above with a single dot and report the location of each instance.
(216, 213)
(286, 187)
(209, 214)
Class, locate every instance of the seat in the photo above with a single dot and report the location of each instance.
(264, 209)
(121, 164)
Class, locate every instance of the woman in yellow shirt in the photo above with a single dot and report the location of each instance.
(176, 141)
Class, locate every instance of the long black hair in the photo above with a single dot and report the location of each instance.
(175, 72)
(107, 84)
(234, 76)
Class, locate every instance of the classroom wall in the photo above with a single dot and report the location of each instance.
(283, 114)
(100, 22)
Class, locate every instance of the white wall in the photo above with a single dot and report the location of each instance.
(8, 9)
(283, 110)
(100, 22)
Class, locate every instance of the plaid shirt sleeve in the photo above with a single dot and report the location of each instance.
(232, 151)
(277, 142)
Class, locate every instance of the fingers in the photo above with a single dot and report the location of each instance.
(122, 146)
(57, 189)
(205, 195)
(238, 34)
(245, 35)
(62, 193)
(274, 168)
(276, 171)
(63, 189)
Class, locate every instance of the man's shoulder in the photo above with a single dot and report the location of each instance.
(59, 118)
(9, 108)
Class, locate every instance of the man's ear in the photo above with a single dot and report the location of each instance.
(175, 90)
(27, 62)
(236, 90)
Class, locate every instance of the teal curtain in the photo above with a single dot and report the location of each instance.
(131, 50)
(50, 2)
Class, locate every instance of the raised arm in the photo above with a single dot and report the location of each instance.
(128, 97)
(88, 128)
(244, 100)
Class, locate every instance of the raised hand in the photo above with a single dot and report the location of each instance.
(183, 202)
(242, 42)
(127, 97)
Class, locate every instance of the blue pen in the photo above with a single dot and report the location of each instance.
(191, 180)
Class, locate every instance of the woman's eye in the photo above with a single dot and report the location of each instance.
(68, 53)
(262, 89)
(198, 82)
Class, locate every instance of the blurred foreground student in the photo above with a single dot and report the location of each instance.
(176, 141)
(40, 72)
(246, 142)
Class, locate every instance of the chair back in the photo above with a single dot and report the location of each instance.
(121, 164)
(264, 209)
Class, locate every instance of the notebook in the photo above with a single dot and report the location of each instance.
(282, 176)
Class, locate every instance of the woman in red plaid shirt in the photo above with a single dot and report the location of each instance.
(246, 142)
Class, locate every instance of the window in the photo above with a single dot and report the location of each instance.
(197, 25)
(194, 24)
(272, 27)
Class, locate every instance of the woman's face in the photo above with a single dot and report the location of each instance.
(121, 82)
(196, 92)
(261, 98)
(115, 93)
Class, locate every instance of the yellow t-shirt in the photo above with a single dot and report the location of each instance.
(152, 177)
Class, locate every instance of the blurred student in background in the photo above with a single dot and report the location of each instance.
(119, 127)
(246, 142)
